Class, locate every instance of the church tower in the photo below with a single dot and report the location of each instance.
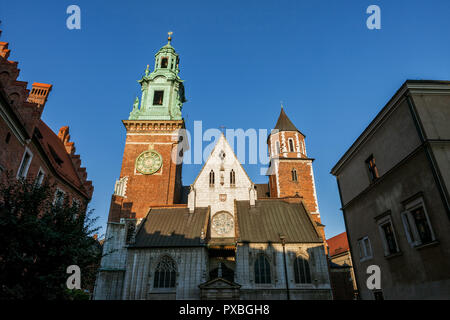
(151, 168)
(291, 173)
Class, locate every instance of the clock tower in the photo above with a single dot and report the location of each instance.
(151, 167)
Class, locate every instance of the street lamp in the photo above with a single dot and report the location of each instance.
(283, 243)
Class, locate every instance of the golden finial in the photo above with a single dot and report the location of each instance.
(170, 33)
(281, 103)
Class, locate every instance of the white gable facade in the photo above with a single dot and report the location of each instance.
(215, 186)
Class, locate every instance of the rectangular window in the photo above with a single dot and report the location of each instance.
(417, 223)
(158, 98)
(40, 177)
(76, 203)
(372, 168)
(25, 164)
(59, 197)
(164, 62)
(388, 236)
(365, 249)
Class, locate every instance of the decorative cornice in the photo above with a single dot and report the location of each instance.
(153, 125)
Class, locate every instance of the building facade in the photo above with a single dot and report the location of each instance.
(29, 149)
(342, 275)
(394, 183)
(222, 237)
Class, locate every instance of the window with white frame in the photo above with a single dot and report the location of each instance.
(291, 145)
(25, 164)
(59, 197)
(76, 203)
(387, 234)
(417, 223)
(211, 178)
(40, 177)
(365, 249)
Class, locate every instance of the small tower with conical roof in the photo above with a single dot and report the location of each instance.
(291, 173)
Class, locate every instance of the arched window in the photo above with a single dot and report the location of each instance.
(262, 270)
(277, 147)
(211, 178)
(302, 273)
(165, 273)
(294, 175)
(291, 145)
(232, 178)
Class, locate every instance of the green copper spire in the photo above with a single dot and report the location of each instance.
(162, 90)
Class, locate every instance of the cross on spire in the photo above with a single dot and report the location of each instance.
(170, 33)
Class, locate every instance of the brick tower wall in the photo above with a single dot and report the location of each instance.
(145, 191)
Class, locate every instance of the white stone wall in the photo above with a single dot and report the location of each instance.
(141, 263)
(246, 255)
(114, 249)
(112, 266)
(221, 196)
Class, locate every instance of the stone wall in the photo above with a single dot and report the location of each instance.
(191, 266)
(314, 253)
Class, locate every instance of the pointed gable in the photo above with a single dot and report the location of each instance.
(215, 161)
(220, 192)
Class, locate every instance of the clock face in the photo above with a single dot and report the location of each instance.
(148, 162)
(222, 223)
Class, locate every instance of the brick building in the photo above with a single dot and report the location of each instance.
(222, 237)
(29, 149)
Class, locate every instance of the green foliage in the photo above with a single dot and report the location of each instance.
(40, 239)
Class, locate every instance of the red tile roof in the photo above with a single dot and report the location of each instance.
(338, 244)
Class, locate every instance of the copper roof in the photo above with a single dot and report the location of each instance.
(265, 221)
(172, 227)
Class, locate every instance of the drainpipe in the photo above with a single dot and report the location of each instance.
(283, 243)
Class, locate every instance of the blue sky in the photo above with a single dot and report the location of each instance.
(239, 59)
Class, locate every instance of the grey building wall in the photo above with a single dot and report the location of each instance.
(415, 273)
(395, 138)
(434, 115)
(409, 140)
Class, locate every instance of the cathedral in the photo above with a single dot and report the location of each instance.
(222, 237)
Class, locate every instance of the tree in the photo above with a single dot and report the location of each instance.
(39, 239)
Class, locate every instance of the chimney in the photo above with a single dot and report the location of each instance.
(39, 94)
